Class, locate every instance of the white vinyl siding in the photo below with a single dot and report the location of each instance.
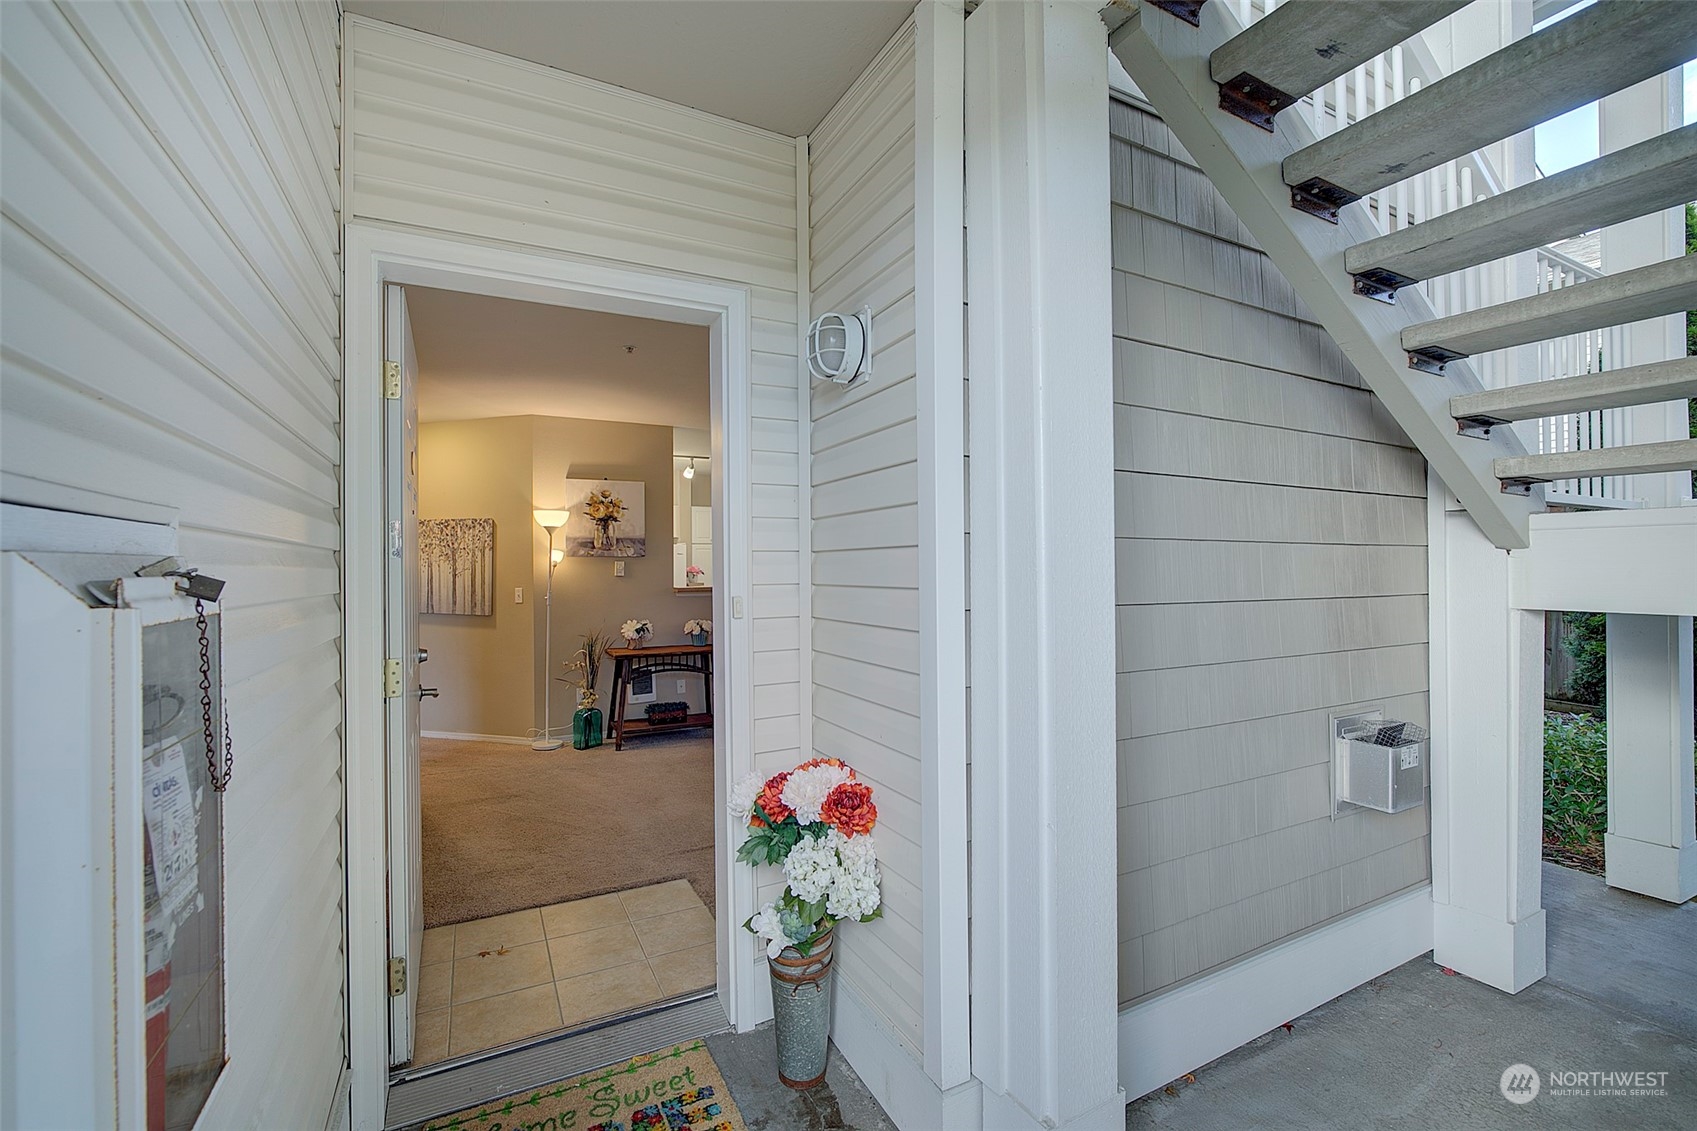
(172, 336)
(454, 139)
(864, 503)
(1271, 565)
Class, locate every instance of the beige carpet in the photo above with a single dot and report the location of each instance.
(507, 827)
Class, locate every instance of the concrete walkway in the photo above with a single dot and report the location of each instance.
(749, 1063)
(1419, 1048)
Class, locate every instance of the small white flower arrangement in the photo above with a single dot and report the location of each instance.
(697, 627)
(636, 631)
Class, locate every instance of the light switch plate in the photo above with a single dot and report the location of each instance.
(618, 569)
(518, 595)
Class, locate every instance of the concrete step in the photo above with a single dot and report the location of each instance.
(1605, 48)
(1644, 178)
(1662, 288)
(1639, 384)
(1302, 46)
(1634, 459)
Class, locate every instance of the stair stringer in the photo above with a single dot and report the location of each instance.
(1168, 59)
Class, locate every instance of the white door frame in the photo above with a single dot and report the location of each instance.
(379, 255)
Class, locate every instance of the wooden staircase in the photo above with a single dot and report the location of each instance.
(1220, 88)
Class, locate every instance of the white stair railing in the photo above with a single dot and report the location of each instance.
(1593, 351)
(1386, 79)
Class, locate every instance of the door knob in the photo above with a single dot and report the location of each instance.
(423, 655)
(428, 693)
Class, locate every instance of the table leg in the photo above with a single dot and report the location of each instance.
(618, 702)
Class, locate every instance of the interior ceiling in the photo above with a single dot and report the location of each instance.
(480, 357)
(777, 64)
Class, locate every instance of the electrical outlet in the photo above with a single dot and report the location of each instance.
(680, 687)
(518, 595)
(618, 569)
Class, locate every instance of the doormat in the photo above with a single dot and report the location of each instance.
(671, 1090)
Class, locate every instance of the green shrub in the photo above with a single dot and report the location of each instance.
(1587, 641)
(1576, 794)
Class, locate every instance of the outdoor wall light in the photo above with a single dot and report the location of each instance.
(839, 346)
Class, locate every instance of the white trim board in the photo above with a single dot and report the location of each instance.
(940, 333)
(378, 255)
(896, 1079)
(1616, 561)
(508, 739)
(1181, 1030)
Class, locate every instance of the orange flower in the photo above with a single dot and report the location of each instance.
(771, 799)
(849, 809)
(837, 762)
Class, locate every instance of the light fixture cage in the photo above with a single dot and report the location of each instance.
(839, 346)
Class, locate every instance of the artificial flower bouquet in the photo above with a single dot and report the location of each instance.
(697, 627)
(816, 822)
(636, 631)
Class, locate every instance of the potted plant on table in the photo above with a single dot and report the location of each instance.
(698, 631)
(636, 632)
(814, 821)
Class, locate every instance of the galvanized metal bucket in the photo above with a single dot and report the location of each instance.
(801, 1011)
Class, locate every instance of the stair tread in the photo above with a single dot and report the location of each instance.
(1530, 81)
(1636, 181)
(1668, 287)
(1631, 459)
(1170, 60)
(1303, 45)
(1616, 388)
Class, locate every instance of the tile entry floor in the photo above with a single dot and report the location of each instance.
(493, 981)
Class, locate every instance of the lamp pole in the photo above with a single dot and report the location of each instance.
(549, 521)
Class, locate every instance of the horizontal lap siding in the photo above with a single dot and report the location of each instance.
(172, 335)
(458, 140)
(1271, 567)
(864, 504)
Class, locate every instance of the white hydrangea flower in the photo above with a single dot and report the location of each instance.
(855, 894)
(806, 790)
(742, 797)
(766, 926)
(859, 854)
(813, 866)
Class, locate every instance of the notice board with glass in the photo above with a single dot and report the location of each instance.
(182, 866)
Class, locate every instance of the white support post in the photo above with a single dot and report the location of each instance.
(1651, 845)
(1044, 977)
(1487, 759)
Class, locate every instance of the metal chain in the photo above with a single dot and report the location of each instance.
(220, 781)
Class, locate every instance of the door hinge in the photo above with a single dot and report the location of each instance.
(392, 681)
(397, 976)
(391, 380)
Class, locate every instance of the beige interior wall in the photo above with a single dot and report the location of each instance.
(587, 596)
(490, 669)
(482, 665)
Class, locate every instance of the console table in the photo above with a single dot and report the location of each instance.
(655, 659)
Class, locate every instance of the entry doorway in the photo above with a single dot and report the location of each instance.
(564, 815)
(381, 863)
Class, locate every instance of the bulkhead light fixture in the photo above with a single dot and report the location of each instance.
(839, 346)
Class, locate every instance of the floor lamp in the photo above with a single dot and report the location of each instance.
(549, 521)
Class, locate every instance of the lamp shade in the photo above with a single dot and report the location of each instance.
(557, 556)
(551, 520)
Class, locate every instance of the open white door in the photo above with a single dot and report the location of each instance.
(401, 677)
